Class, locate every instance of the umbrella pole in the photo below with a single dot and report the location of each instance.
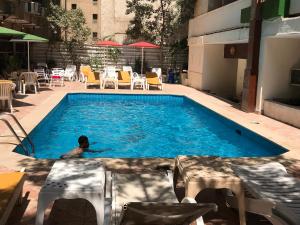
(28, 55)
(142, 64)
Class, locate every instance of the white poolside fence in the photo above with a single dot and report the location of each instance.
(44, 52)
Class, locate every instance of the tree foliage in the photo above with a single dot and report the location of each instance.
(138, 27)
(158, 20)
(114, 54)
(185, 11)
(161, 22)
(72, 25)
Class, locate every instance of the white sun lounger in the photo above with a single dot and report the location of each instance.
(276, 194)
(144, 199)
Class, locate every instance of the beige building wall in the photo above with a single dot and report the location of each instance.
(195, 70)
(201, 7)
(112, 20)
(209, 70)
(242, 63)
(219, 73)
(278, 57)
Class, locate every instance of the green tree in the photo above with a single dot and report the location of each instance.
(138, 28)
(154, 24)
(185, 11)
(114, 54)
(72, 24)
(95, 62)
(159, 21)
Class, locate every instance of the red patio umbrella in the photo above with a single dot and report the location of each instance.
(142, 45)
(108, 43)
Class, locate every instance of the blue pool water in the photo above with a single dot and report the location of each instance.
(135, 126)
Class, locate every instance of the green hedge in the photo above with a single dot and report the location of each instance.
(270, 9)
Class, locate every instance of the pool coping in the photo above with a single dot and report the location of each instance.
(32, 119)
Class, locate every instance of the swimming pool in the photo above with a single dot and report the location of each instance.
(143, 126)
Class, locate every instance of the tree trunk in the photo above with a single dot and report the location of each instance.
(162, 39)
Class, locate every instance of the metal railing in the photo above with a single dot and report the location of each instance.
(8, 124)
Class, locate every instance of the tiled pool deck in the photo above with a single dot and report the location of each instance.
(31, 109)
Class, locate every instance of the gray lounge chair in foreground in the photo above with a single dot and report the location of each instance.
(149, 199)
(138, 213)
(276, 195)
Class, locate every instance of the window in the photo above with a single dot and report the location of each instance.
(74, 6)
(95, 35)
(95, 2)
(95, 16)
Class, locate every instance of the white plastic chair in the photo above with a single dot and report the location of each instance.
(14, 76)
(158, 72)
(70, 73)
(127, 69)
(41, 75)
(44, 65)
(6, 94)
(57, 76)
(110, 77)
(29, 79)
(136, 79)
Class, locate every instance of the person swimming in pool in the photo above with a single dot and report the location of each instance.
(84, 145)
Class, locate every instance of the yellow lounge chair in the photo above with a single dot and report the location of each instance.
(11, 186)
(153, 79)
(124, 77)
(91, 78)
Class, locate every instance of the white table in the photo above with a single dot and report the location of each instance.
(71, 179)
(139, 81)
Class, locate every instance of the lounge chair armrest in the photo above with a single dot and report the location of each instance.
(199, 221)
(188, 200)
(192, 200)
(170, 177)
(85, 78)
(108, 184)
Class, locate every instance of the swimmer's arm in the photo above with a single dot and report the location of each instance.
(76, 153)
(97, 151)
